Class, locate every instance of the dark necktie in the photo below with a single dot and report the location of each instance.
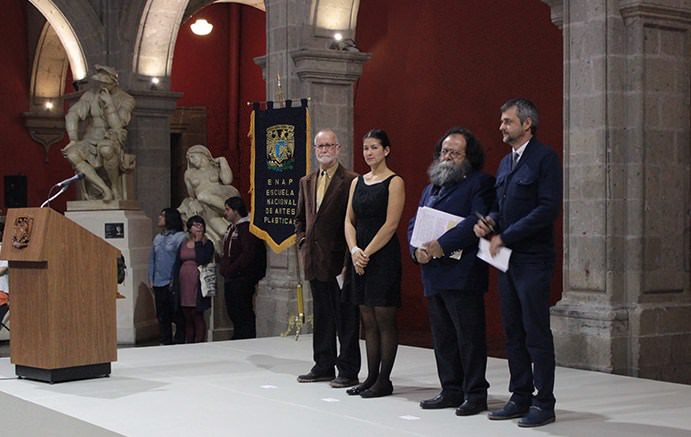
(514, 160)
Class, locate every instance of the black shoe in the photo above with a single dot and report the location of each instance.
(354, 391)
(509, 411)
(470, 408)
(537, 417)
(312, 377)
(377, 391)
(440, 401)
(343, 382)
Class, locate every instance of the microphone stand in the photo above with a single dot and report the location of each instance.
(62, 190)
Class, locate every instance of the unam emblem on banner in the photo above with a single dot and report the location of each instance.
(280, 147)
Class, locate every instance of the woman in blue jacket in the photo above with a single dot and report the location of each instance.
(163, 253)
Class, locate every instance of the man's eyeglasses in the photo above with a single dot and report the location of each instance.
(325, 146)
(451, 153)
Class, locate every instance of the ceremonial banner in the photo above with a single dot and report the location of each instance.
(280, 157)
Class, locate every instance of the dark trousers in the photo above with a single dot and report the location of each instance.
(166, 317)
(524, 291)
(239, 293)
(334, 319)
(457, 319)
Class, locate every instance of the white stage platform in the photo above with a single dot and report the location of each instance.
(248, 387)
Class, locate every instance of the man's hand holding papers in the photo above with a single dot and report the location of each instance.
(500, 260)
(430, 224)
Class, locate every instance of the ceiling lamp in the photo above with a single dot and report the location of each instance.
(201, 27)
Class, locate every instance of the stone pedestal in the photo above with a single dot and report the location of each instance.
(130, 232)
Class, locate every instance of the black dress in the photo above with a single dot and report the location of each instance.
(381, 283)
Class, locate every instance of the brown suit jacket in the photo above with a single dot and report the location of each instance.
(320, 234)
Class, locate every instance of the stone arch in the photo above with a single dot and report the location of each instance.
(69, 19)
(158, 29)
(330, 16)
(49, 70)
(58, 46)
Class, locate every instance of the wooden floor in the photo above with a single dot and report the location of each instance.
(235, 388)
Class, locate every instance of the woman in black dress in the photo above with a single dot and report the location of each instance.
(374, 211)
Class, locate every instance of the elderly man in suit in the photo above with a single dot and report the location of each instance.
(529, 190)
(454, 278)
(321, 209)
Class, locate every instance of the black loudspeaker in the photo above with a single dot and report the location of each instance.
(15, 191)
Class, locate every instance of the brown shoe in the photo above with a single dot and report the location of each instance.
(312, 377)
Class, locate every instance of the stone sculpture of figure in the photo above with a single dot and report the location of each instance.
(105, 111)
(208, 182)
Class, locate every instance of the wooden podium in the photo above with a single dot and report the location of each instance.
(63, 284)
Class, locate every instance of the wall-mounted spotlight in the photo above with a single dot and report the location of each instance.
(154, 83)
(339, 43)
(48, 105)
(201, 27)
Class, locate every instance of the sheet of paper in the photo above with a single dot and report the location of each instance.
(431, 224)
(501, 261)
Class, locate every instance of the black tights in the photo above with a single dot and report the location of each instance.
(381, 340)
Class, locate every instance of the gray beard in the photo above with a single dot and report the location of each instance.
(447, 173)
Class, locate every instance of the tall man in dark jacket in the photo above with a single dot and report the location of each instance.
(321, 209)
(242, 264)
(453, 277)
(529, 190)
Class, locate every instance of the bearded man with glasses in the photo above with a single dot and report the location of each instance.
(453, 277)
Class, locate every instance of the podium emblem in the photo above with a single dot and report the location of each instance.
(22, 232)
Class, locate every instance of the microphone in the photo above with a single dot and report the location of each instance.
(68, 181)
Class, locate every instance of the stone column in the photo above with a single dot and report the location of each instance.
(149, 139)
(626, 305)
(307, 69)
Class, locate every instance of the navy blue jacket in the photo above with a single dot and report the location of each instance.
(473, 194)
(528, 202)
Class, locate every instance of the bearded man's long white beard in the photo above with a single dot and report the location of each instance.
(447, 172)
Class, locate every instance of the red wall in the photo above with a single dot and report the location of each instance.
(437, 64)
(218, 71)
(21, 155)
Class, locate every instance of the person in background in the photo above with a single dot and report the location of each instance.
(529, 190)
(196, 250)
(453, 277)
(163, 253)
(374, 211)
(242, 264)
(322, 200)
